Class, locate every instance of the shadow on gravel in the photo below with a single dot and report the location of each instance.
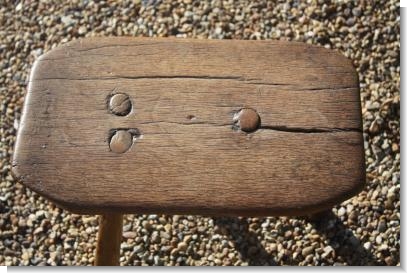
(342, 240)
(245, 241)
(327, 224)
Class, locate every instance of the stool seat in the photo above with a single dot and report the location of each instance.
(178, 126)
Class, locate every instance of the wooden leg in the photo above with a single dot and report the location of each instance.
(109, 239)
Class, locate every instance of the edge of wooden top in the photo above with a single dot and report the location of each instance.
(305, 210)
(117, 41)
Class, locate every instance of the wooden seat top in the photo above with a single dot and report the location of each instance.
(141, 125)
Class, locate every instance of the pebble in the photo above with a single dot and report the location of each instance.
(367, 245)
(182, 246)
(382, 226)
(379, 240)
(389, 260)
(82, 30)
(375, 126)
(155, 237)
(129, 234)
(138, 248)
(273, 247)
(327, 250)
(341, 211)
(38, 230)
(307, 251)
(67, 20)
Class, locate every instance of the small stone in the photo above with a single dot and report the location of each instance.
(273, 247)
(38, 230)
(82, 30)
(25, 256)
(155, 237)
(22, 223)
(356, 12)
(353, 215)
(9, 252)
(67, 20)
(187, 238)
(379, 240)
(389, 260)
(127, 227)
(158, 261)
(174, 252)
(182, 246)
(201, 229)
(138, 248)
(126, 246)
(165, 235)
(19, 6)
(350, 21)
(388, 204)
(367, 245)
(374, 127)
(168, 228)
(288, 234)
(129, 234)
(327, 250)
(307, 251)
(382, 226)
(373, 106)
(341, 211)
(383, 247)
(146, 225)
(73, 232)
(395, 147)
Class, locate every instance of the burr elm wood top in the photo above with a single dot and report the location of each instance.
(176, 145)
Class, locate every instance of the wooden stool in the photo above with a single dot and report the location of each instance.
(140, 125)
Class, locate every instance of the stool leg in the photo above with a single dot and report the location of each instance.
(109, 239)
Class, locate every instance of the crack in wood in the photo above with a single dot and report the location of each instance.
(93, 55)
(187, 123)
(309, 130)
(205, 77)
(239, 78)
(113, 46)
(266, 127)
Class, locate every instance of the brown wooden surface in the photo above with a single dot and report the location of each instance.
(109, 240)
(187, 156)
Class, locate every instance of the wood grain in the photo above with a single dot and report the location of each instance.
(109, 240)
(187, 156)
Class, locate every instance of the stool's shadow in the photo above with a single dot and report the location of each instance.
(246, 242)
(328, 225)
(342, 239)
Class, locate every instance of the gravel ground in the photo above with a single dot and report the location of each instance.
(364, 230)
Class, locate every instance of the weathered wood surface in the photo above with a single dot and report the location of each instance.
(187, 155)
